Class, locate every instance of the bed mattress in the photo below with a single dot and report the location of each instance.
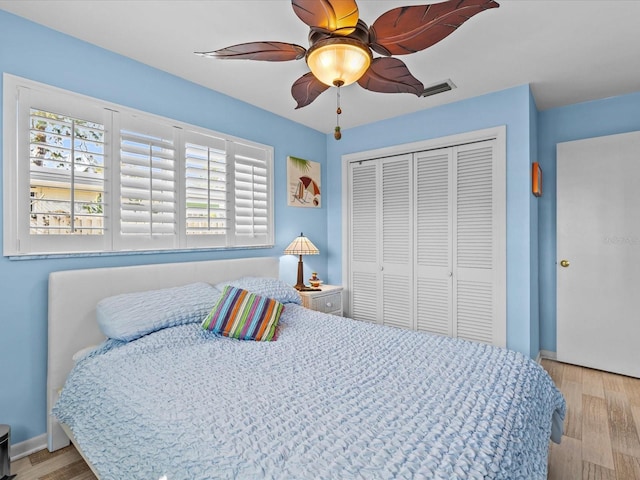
(331, 398)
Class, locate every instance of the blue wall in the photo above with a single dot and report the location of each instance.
(37, 53)
(533, 238)
(584, 120)
(509, 107)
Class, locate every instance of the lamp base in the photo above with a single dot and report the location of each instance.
(299, 282)
(300, 286)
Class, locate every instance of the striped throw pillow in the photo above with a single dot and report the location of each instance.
(244, 315)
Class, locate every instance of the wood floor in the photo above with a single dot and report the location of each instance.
(64, 464)
(601, 430)
(601, 433)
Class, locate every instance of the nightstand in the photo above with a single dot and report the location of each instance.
(327, 300)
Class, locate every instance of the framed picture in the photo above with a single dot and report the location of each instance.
(536, 179)
(303, 183)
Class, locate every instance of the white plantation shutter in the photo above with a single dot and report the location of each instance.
(229, 193)
(206, 190)
(433, 241)
(66, 175)
(84, 175)
(252, 195)
(147, 184)
(55, 175)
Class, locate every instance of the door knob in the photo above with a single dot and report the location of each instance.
(564, 263)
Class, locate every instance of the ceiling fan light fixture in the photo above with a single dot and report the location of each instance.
(339, 61)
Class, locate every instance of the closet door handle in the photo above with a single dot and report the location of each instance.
(450, 274)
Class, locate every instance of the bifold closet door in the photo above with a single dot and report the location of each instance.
(454, 247)
(433, 241)
(474, 246)
(427, 242)
(396, 230)
(381, 235)
(364, 276)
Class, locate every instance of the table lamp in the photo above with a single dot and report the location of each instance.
(301, 246)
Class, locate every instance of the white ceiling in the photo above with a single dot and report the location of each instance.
(570, 51)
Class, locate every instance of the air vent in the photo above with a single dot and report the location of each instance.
(438, 88)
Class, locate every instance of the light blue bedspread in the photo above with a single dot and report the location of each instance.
(330, 399)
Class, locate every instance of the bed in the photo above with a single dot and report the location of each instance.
(328, 397)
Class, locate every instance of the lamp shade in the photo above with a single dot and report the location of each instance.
(301, 246)
(338, 61)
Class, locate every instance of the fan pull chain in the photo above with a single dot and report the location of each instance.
(337, 134)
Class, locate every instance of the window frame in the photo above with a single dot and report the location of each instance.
(20, 95)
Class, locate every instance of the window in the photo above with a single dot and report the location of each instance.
(66, 175)
(82, 175)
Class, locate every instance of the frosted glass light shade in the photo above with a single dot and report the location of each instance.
(338, 60)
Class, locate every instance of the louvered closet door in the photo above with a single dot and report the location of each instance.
(397, 241)
(473, 253)
(381, 241)
(363, 199)
(433, 245)
(427, 241)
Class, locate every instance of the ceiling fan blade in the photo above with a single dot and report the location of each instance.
(338, 17)
(390, 75)
(306, 89)
(406, 30)
(267, 51)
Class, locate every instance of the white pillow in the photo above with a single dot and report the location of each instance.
(132, 315)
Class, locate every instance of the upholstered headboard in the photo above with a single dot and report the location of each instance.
(73, 295)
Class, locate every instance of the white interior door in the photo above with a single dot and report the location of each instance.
(598, 241)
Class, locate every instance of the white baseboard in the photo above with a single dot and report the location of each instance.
(28, 447)
(548, 354)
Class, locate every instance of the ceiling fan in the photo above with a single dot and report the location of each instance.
(340, 45)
